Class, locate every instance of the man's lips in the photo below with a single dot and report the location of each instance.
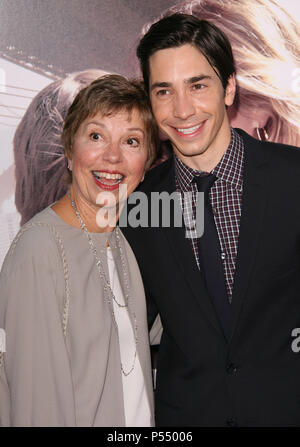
(189, 132)
(108, 180)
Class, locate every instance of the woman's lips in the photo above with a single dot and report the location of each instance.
(189, 132)
(108, 180)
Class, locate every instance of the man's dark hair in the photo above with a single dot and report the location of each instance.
(180, 29)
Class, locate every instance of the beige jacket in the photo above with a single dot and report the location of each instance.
(62, 361)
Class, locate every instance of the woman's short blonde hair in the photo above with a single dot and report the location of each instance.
(108, 95)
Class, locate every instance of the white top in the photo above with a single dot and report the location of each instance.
(136, 404)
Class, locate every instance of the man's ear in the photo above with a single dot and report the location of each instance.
(230, 91)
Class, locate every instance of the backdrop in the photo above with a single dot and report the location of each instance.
(42, 41)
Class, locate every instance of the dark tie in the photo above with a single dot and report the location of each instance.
(210, 257)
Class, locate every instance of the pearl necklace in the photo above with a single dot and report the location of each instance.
(106, 283)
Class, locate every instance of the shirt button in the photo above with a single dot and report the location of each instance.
(231, 368)
(223, 256)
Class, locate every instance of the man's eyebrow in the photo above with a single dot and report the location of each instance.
(160, 85)
(197, 78)
(191, 80)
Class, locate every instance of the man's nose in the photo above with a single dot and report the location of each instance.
(183, 106)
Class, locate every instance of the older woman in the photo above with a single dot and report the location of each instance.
(40, 162)
(72, 300)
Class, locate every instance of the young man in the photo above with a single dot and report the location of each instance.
(229, 301)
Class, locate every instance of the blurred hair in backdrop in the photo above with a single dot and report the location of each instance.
(40, 162)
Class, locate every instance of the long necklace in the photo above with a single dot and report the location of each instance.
(106, 282)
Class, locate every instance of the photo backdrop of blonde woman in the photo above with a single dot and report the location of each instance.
(49, 50)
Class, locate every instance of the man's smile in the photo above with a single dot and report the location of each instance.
(189, 131)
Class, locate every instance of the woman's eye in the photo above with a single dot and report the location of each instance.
(95, 136)
(133, 142)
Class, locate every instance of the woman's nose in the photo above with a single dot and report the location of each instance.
(112, 153)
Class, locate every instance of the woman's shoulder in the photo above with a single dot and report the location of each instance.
(37, 231)
(39, 239)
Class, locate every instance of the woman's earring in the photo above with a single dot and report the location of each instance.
(262, 134)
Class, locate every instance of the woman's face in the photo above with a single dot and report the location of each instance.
(108, 151)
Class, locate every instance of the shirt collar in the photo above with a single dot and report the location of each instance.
(229, 169)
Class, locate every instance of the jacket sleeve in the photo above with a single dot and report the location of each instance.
(35, 376)
(153, 317)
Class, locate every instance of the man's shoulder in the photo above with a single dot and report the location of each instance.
(278, 153)
(283, 152)
(158, 177)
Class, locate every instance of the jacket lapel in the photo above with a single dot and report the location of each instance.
(253, 206)
(181, 249)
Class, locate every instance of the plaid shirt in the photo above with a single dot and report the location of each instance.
(226, 201)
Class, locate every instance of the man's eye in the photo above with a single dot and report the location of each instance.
(95, 136)
(162, 92)
(198, 86)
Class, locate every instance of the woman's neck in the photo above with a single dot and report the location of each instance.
(64, 209)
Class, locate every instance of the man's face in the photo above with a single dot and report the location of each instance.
(188, 102)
